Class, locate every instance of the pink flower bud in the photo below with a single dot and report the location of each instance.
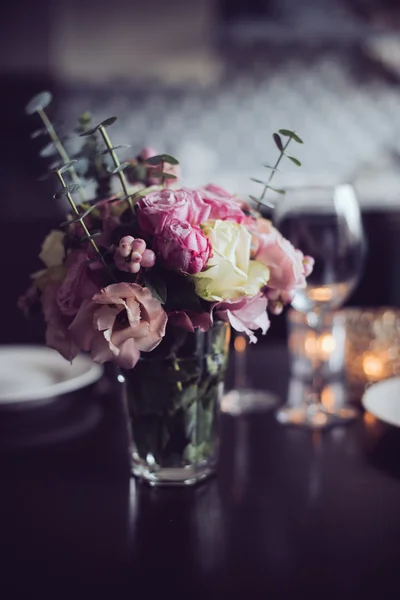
(138, 245)
(125, 245)
(148, 259)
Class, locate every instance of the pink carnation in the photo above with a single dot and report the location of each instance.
(77, 285)
(245, 315)
(286, 264)
(222, 204)
(119, 323)
(182, 247)
(157, 207)
(57, 334)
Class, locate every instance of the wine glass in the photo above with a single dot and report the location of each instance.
(325, 223)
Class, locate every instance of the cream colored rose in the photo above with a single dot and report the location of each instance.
(230, 274)
(53, 251)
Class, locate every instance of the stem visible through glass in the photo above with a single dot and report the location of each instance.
(315, 320)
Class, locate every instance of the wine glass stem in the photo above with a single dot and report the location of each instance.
(317, 381)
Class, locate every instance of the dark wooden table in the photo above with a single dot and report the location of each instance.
(290, 514)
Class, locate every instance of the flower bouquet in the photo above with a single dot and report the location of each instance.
(152, 276)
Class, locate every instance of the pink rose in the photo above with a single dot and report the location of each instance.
(119, 323)
(157, 207)
(190, 320)
(77, 284)
(182, 247)
(222, 204)
(287, 269)
(57, 334)
(245, 315)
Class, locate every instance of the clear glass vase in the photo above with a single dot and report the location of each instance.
(173, 400)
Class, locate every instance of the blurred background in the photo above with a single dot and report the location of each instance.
(209, 81)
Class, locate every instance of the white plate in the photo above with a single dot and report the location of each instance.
(383, 400)
(36, 374)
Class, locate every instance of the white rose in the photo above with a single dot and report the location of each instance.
(230, 274)
(53, 251)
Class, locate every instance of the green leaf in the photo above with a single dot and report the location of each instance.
(82, 216)
(48, 150)
(107, 150)
(156, 285)
(89, 132)
(38, 133)
(121, 167)
(163, 175)
(271, 168)
(92, 236)
(294, 160)
(277, 190)
(263, 202)
(69, 189)
(171, 160)
(156, 160)
(291, 134)
(108, 122)
(278, 141)
(67, 166)
(38, 102)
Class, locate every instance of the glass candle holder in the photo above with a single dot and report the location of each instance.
(372, 346)
(307, 348)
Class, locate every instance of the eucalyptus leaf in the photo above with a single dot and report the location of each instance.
(38, 133)
(69, 189)
(263, 202)
(274, 169)
(277, 190)
(295, 161)
(38, 102)
(92, 236)
(163, 175)
(121, 167)
(108, 122)
(291, 134)
(160, 158)
(89, 132)
(48, 150)
(107, 150)
(258, 181)
(156, 285)
(278, 141)
(67, 166)
(171, 160)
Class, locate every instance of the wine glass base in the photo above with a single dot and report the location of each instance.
(315, 416)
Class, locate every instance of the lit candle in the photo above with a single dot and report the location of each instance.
(374, 366)
(240, 345)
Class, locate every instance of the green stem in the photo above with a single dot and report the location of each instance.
(61, 150)
(116, 162)
(81, 221)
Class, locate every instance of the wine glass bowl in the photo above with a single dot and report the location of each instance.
(325, 223)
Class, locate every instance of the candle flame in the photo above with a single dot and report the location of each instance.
(373, 366)
(240, 344)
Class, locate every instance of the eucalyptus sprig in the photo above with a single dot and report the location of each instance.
(161, 159)
(37, 105)
(282, 147)
(110, 149)
(67, 191)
